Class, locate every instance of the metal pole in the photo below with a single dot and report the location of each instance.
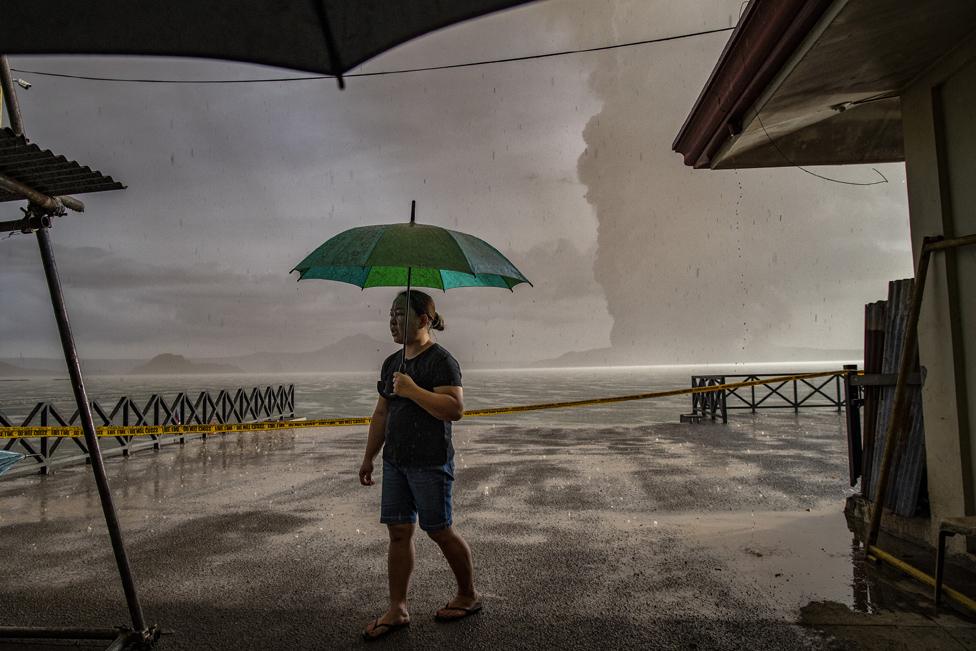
(725, 410)
(853, 414)
(406, 308)
(837, 387)
(406, 322)
(10, 98)
(74, 372)
(49, 204)
(88, 426)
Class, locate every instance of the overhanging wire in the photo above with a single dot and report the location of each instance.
(786, 158)
(381, 73)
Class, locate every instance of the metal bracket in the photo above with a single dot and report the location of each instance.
(884, 380)
(32, 221)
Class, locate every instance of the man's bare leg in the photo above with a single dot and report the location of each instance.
(400, 560)
(458, 556)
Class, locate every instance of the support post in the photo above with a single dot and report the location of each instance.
(725, 410)
(852, 405)
(10, 98)
(141, 633)
(88, 427)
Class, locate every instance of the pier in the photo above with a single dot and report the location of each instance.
(716, 395)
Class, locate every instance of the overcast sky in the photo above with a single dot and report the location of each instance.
(564, 164)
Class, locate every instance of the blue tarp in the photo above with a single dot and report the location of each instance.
(8, 459)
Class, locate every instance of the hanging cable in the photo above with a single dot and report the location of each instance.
(381, 73)
(786, 158)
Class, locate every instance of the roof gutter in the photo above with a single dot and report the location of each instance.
(768, 33)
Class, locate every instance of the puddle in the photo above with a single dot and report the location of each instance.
(792, 558)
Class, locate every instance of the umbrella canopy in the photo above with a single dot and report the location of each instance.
(8, 459)
(397, 255)
(322, 36)
(394, 255)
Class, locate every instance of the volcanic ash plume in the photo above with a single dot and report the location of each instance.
(720, 266)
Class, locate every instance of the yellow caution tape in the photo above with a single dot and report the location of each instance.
(175, 430)
(265, 426)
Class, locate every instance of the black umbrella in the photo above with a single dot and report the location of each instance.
(323, 36)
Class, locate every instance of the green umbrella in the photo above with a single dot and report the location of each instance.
(418, 255)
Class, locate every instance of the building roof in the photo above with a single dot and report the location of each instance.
(816, 82)
(46, 172)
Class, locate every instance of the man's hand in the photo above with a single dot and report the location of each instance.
(366, 473)
(403, 385)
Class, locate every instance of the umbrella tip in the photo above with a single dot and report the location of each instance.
(413, 211)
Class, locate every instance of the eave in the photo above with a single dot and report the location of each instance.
(791, 90)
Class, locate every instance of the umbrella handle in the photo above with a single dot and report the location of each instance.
(406, 308)
(406, 322)
(406, 329)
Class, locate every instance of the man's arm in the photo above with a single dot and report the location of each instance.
(444, 403)
(374, 441)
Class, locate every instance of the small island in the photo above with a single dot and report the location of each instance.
(170, 364)
(12, 371)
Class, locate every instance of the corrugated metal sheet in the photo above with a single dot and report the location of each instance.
(907, 473)
(46, 172)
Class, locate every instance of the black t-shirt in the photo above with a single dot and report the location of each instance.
(413, 436)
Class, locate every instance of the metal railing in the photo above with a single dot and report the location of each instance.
(794, 393)
(240, 406)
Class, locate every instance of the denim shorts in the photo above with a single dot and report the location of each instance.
(409, 491)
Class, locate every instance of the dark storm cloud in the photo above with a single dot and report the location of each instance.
(200, 309)
(204, 309)
(230, 186)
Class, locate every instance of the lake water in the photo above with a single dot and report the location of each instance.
(332, 395)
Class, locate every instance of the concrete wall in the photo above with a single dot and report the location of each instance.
(938, 112)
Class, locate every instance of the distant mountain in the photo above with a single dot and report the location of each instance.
(593, 357)
(169, 364)
(9, 370)
(54, 366)
(363, 353)
(354, 353)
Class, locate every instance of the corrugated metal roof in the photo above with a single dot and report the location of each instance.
(46, 172)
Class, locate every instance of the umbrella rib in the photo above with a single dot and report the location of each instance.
(464, 255)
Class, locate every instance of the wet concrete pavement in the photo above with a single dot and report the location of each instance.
(658, 536)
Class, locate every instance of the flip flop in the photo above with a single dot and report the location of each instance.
(389, 628)
(470, 610)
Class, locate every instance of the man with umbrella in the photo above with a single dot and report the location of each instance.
(412, 425)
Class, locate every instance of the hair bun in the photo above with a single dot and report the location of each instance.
(438, 322)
